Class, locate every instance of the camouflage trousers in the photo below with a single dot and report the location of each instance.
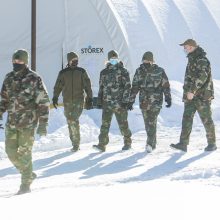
(150, 121)
(72, 112)
(204, 110)
(121, 117)
(18, 146)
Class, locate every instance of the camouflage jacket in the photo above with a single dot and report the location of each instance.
(198, 77)
(152, 82)
(24, 97)
(114, 86)
(73, 82)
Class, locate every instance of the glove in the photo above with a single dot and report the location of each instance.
(1, 125)
(169, 102)
(55, 102)
(130, 106)
(97, 102)
(42, 130)
(89, 103)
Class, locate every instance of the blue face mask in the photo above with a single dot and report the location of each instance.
(186, 52)
(113, 61)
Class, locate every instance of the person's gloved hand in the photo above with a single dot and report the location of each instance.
(55, 102)
(99, 103)
(130, 106)
(42, 130)
(1, 123)
(169, 102)
(89, 103)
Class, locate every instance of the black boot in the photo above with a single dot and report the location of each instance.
(24, 188)
(100, 147)
(126, 147)
(75, 148)
(211, 147)
(179, 146)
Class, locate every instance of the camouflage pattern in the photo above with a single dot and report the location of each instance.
(150, 121)
(152, 82)
(18, 146)
(114, 86)
(121, 117)
(198, 80)
(114, 89)
(26, 100)
(73, 82)
(198, 77)
(72, 112)
(205, 113)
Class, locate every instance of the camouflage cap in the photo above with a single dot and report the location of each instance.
(112, 53)
(148, 56)
(71, 55)
(189, 42)
(21, 55)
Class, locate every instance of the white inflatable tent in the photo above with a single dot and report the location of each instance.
(89, 27)
(93, 27)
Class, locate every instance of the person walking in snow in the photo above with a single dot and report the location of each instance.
(198, 91)
(113, 96)
(152, 83)
(74, 83)
(24, 97)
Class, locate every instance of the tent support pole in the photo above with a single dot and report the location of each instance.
(33, 35)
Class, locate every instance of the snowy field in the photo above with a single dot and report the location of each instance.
(116, 184)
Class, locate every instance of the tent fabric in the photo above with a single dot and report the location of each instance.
(93, 27)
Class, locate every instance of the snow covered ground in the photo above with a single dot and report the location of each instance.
(134, 185)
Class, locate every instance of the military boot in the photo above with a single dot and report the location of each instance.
(149, 148)
(126, 147)
(75, 148)
(100, 147)
(24, 188)
(179, 146)
(211, 147)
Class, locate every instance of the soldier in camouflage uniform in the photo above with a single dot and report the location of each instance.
(73, 82)
(152, 83)
(113, 96)
(24, 97)
(198, 92)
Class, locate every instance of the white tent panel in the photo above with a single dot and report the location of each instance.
(129, 26)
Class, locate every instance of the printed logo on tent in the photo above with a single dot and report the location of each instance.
(92, 50)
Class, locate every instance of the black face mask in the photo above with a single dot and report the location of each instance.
(18, 67)
(147, 65)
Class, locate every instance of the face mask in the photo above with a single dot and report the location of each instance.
(113, 61)
(147, 65)
(18, 67)
(186, 52)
